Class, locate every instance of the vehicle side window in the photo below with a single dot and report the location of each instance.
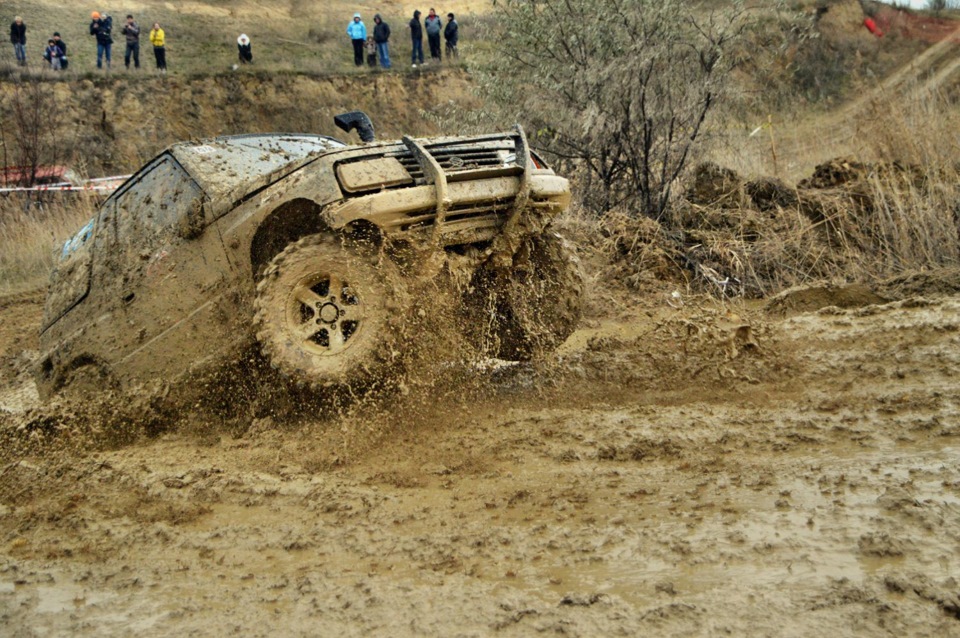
(158, 197)
(138, 227)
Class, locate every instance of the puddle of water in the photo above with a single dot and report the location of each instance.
(18, 398)
(813, 539)
(54, 599)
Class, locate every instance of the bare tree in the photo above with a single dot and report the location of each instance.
(35, 120)
(622, 88)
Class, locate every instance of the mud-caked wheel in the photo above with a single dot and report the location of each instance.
(528, 310)
(327, 312)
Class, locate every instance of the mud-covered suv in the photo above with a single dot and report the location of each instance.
(292, 240)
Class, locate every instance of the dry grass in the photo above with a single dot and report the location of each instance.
(890, 206)
(30, 238)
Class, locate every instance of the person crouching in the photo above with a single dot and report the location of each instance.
(52, 54)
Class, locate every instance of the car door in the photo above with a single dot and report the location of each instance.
(151, 276)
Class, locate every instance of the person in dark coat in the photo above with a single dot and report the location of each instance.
(451, 34)
(381, 35)
(131, 31)
(416, 35)
(64, 63)
(243, 46)
(433, 26)
(18, 38)
(101, 27)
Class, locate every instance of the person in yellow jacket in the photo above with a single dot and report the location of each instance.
(157, 40)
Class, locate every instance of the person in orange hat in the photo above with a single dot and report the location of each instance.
(101, 27)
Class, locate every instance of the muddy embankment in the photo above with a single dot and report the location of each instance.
(115, 123)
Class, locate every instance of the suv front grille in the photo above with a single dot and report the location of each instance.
(459, 160)
(453, 159)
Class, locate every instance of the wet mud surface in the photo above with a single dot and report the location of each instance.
(684, 468)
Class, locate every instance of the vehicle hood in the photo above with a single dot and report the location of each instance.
(228, 168)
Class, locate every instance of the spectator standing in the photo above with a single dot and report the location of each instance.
(371, 48)
(158, 40)
(18, 38)
(416, 35)
(451, 33)
(131, 30)
(64, 63)
(433, 26)
(244, 47)
(101, 27)
(381, 35)
(357, 31)
(52, 54)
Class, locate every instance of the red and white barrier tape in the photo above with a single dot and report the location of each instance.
(96, 184)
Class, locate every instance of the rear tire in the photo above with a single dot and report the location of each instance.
(84, 381)
(328, 312)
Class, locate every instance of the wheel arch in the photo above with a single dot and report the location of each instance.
(286, 223)
(294, 220)
(60, 376)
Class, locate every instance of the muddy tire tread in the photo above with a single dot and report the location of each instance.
(366, 364)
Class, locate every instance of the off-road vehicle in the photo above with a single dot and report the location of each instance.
(293, 240)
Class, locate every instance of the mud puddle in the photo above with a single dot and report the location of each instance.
(666, 480)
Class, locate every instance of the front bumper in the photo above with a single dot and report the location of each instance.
(454, 206)
(474, 210)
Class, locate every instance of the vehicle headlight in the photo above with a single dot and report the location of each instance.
(511, 158)
(382, 172)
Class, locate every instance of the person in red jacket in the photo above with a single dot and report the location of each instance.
(872, 27)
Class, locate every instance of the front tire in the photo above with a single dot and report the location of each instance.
(327, 312)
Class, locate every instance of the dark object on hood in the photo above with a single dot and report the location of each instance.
(356, 120)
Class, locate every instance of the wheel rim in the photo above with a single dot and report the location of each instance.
(324, 314)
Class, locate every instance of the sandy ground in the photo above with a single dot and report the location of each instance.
(684, 469)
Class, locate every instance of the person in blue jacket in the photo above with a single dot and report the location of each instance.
(358, 36)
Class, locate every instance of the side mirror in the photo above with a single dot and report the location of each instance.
(192, 221)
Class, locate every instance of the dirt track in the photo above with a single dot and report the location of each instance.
(690, 470)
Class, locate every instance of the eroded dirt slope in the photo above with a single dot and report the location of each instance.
(686, 469)
(106, 125)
